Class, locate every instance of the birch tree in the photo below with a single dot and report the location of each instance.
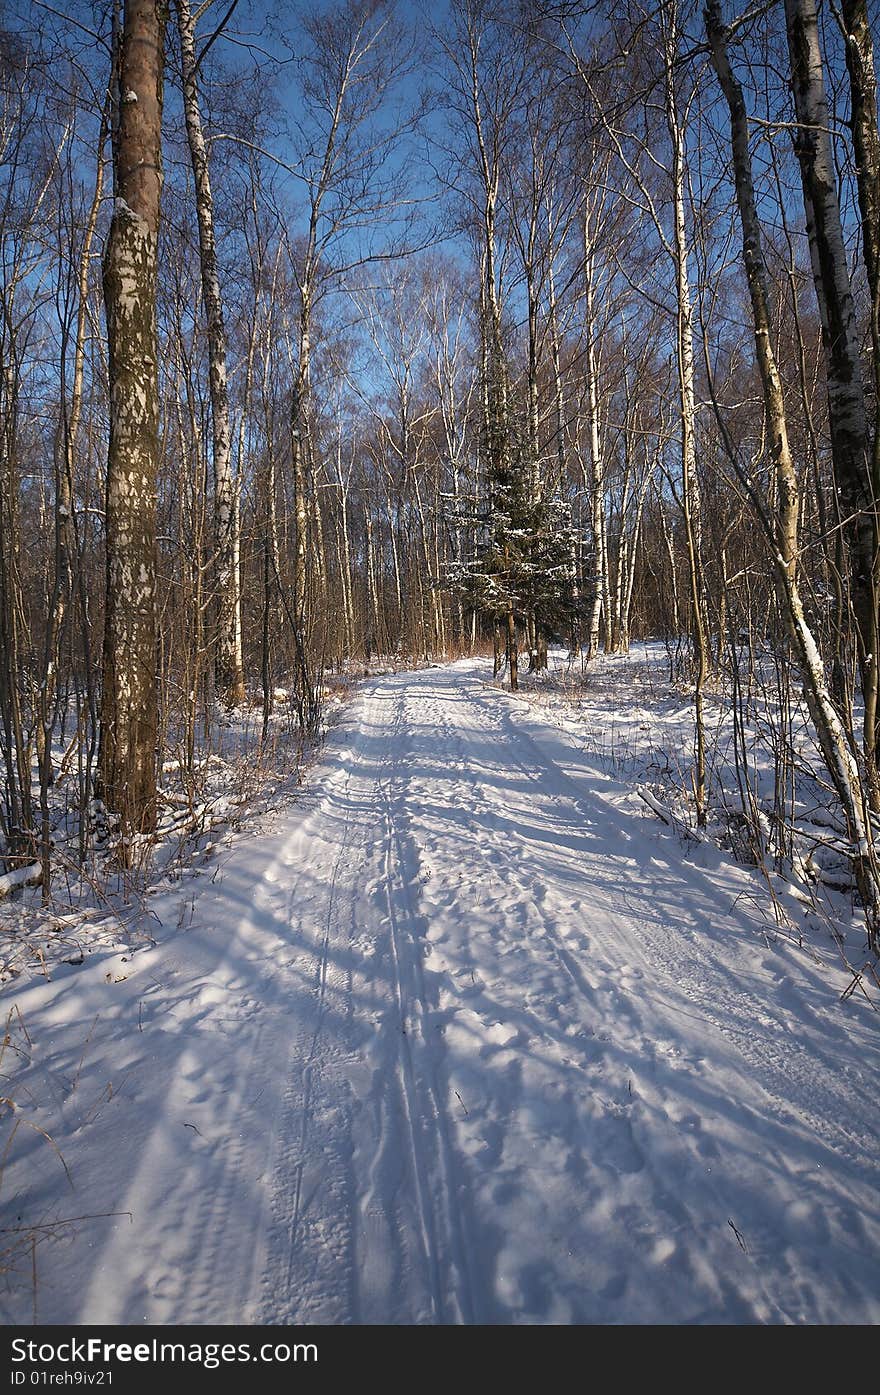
(129, 698)
(782, 525)
(675, 244)
(228, 663)
(847, 409)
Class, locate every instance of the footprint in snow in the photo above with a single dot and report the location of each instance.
(617, 1147)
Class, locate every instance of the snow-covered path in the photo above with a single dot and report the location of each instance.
(470, 1039)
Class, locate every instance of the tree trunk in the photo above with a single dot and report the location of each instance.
(847, 414)
(373, 629)
(299, 427)
(685, 366)
(228, 664)
(129, 700)
(512, 653)
(866, 142)
(598, 603)
(783, 528)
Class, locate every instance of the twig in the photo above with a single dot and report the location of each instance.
(742, 1243)
(667, 815)
(83, 1056)
(17, 1010)
(857, 983)
(65, 1220)
(43, 1134)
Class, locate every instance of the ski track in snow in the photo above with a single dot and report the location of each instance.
(471, 1040)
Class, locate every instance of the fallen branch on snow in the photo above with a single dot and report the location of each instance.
(667, 815)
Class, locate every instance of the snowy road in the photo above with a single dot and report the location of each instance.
(472, 1039)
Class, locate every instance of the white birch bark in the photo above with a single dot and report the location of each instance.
(599, 602)
(685, 367)
(228, 664)
(129, 700)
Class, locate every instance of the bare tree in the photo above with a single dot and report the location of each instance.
(781, 525)
(352, 53)
(228, 663)
(129, 698)
(677, 248)
(847, 410)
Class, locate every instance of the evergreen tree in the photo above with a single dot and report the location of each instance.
(522, 567)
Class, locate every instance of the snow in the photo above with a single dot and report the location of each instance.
(20, 876)
(465, 1034)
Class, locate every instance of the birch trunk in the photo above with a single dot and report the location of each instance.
(599, 605)
(228, 663)
(345, 565)
(299, 458)
(685, 366)
(373, 594)
(129, 699)
(62, 589)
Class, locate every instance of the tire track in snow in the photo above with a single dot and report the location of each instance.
(416, 1128)
(402, 1114)
(307, 1201)
(321, 974)
(424, 1100)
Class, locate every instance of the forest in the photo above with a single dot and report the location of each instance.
(557, 324)
(365, 337)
